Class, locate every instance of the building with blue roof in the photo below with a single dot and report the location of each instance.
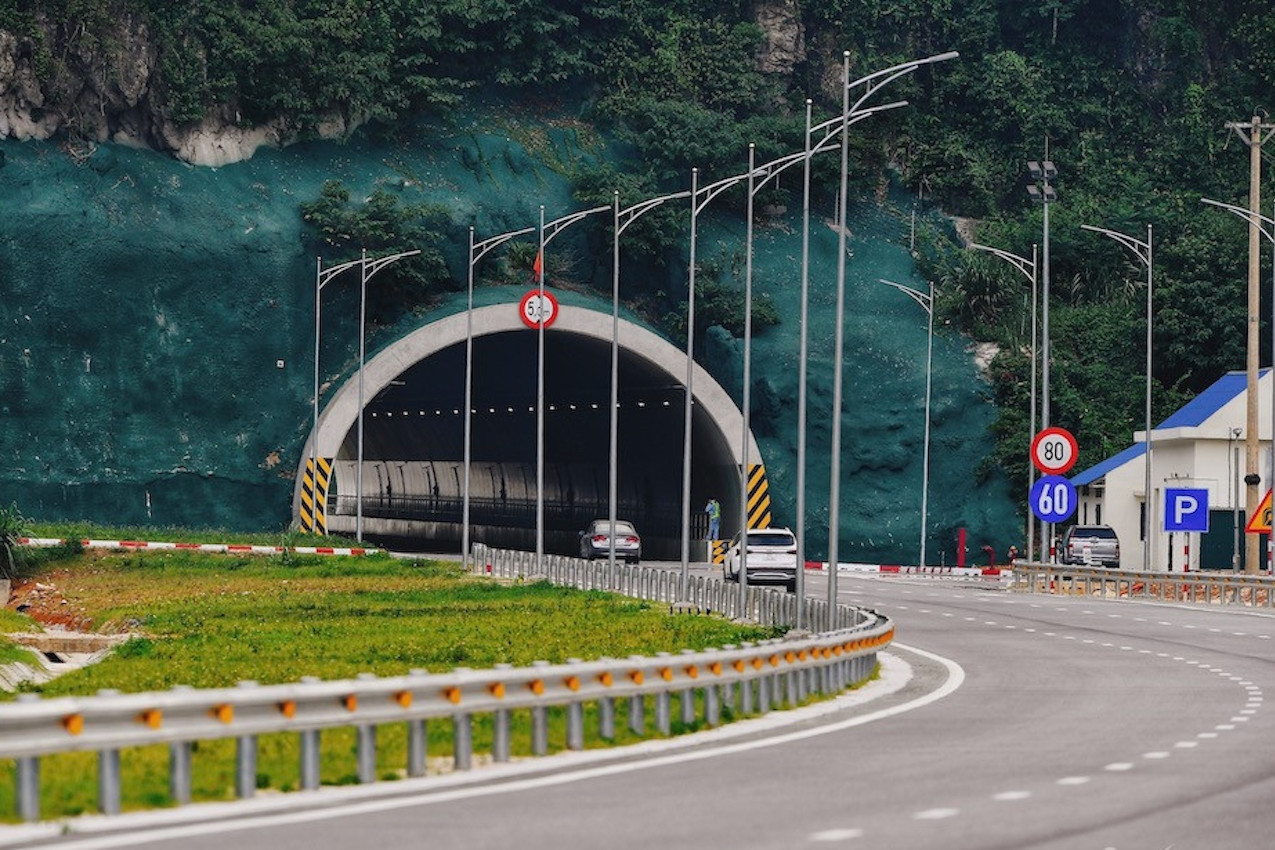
(1200, 446)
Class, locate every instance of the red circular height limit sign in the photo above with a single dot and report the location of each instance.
(1054, 451)
(534, 309)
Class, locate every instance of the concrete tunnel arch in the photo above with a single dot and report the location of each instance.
(415, 503)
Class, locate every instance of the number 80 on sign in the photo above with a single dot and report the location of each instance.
(1053, 498)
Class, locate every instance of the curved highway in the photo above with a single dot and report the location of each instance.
(1002, 721)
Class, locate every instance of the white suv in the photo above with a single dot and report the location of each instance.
(772, 558)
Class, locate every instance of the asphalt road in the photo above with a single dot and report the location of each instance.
(1002, 721)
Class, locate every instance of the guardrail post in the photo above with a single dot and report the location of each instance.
(462, 740)
(245, 766)
(575, 719)
(539, 723)
(179, 772)
(637, 715)
(712, 706)
(663, 719)
(309, 744)
(366, 737)
(686, 700)
(246, 758)
(606, 718)
(500, 748)
(108, 781)
(26, 784)
(417, 737)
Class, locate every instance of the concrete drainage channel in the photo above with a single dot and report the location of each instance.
(56, 653)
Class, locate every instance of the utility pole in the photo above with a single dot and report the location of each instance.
(1253, 133)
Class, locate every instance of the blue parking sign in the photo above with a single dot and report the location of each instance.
(1186, 509)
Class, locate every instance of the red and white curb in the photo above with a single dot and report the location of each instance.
(232, 548)
(894, 569)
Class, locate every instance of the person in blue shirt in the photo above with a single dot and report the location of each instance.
(714, 511)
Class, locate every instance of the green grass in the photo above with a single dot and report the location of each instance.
(210, 620)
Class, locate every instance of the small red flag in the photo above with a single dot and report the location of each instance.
(535, 267)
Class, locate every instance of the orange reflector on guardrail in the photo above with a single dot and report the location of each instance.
(404, 699)
(288, 708)
(73, 723)
(152, 717)
(225, 713)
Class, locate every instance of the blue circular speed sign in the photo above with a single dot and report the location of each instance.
(1053, 498)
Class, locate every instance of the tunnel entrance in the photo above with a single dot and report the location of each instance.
(413, 437)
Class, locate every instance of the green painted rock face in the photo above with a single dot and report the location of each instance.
(157, 335)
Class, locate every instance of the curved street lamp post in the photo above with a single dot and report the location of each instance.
(477, 250)
(1266, 226)
(548, 230)
(1142, 250)
(927, 304)
(367, 270)
(322, 277)
(1028, 269)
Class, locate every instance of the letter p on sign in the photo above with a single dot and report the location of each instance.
(1186, 509)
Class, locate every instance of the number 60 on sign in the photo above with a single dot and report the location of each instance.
(1053, 498)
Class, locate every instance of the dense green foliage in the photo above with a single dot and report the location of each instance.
(1130, 99)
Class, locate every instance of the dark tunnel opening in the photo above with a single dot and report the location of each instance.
(413, 449)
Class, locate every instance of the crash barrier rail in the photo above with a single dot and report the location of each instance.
(745, 679)
(704, 594)
(1198, 588)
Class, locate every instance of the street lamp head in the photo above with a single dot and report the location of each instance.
(1042, 195)
(1041, 171)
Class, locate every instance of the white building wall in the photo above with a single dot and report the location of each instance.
(1201, 457)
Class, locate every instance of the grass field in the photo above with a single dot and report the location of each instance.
(210, 620)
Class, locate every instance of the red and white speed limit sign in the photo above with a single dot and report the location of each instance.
(534, 309)
(1054, 451)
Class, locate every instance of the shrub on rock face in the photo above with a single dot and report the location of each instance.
(12, 527)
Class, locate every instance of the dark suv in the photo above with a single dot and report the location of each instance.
(1091, 544)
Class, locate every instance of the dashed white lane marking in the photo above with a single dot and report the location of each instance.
(1186, 745)
(936, 814)
(1011, 796)
(1116, 767)
(830, 835)
(1224, 727)
(1073, 780)
(1156, 755)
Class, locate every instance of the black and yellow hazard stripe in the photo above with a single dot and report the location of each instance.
(758, 497)
(314, 496)
(719, 551)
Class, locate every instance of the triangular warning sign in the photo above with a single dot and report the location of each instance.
(1260, 521)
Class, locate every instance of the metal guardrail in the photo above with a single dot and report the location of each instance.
(1198, 588)
(744, 679)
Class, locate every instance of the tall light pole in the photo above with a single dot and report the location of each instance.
(1266, 227)
(927, 304)
(1254, 134)
(367, 269)
(548, 230)
(871, 84)
(322, 277)
(1042, 192)
(477, 250)
(622, 219)
(1028, 269)
(1142, 250)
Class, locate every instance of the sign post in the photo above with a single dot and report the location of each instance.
(1053, 498)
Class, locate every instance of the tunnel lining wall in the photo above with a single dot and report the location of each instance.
(340, 415)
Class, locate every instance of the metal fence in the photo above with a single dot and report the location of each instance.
(1197, 588)
(740, 680)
